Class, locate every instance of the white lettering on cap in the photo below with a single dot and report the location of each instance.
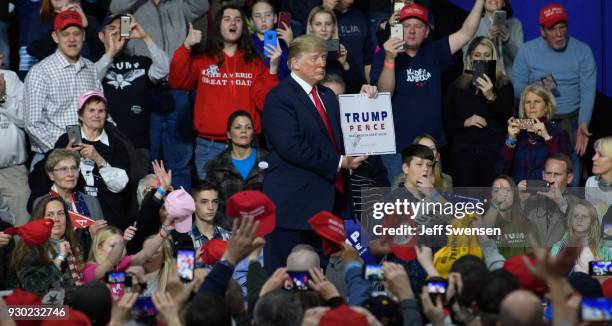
(254, 213)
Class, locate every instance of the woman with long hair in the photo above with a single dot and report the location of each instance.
(532, 137)
(54, 269)
(241, 166)
(476, 112)
(583, 226)
(157, 267)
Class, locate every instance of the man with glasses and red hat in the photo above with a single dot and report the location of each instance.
(53, 86)
(567, 68)
(411, 69)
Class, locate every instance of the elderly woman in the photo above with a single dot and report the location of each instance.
(241, 166)
(54, 269)
(322, 23)
(104, 159)
(533, 137)
(475, 117)
(598, 188)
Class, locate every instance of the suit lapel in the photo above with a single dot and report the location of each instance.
(309, 105)
(333, 115)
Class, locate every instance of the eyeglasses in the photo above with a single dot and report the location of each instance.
(66, 169)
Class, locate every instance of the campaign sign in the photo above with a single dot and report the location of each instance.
(367, 124)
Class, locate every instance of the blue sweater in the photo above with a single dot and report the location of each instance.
(574, 70)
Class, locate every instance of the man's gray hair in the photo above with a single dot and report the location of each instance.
(302, 258)
(278, 308)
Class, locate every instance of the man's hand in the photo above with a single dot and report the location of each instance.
(113, 44)
(582, 139)
(425, 185)
(120, 311)
(4, 239)
(319, 283)
(352, 162)
(435, 314)
(475, 121)
(137, 32)
(167, 310)
(275, 282)
(254, 255)
(392, 47)
(163, 177)
(243, 240)
(349, 254)
(370, 90)
(194, 36)
(395, 279)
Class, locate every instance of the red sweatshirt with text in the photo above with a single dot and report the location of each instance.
(236, 85)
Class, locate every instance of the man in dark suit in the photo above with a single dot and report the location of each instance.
(301, 121)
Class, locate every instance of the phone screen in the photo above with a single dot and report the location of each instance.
(115, 277)
(596, 309)
(372, 272)
(600, 268)
(284, 17)
(124, 27)
(269, 39)
(144, 307)
(185, 260)
(607, 231)
(298, 281)
(333, 45)
(437, 287)
(499, 18)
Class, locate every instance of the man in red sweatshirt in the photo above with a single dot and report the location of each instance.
(229, 76)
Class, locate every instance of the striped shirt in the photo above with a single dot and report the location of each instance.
(52, 88)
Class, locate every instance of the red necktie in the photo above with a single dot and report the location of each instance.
(315, 95)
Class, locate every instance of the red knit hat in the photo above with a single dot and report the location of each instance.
(34, 233)
(552, 14)
(343, 315)
(515, 265)
(212, 251)
(331, 230)
(255, 204)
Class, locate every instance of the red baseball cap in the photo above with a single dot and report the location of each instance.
(22, 297)
(34, 233)
(552, 14)
(402, 246)
(343, 315)
(212, 251)
(515, 265)
(255, 204)
(66, 19)
(331, 230)
(414, 11)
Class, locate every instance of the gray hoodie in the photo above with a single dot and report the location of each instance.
(165, 22)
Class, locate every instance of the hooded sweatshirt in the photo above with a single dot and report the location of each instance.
(221, 90)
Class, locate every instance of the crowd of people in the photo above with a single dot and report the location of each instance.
(182, 162)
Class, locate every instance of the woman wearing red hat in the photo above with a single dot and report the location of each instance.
(53, 269)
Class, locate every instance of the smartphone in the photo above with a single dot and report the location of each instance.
(397, 31)
(537, 185)
(298, 281)
(185, 262)
(600, 268)
(333, 45)
(144, 307)
(372, 272)
(124, 27)
(482, 67)
(284, 17)
(74, 132)
(269, 39)
(499, 18)
(607, 230)
(596, 309)
(525, 124)
(548, 311)
(118, 277)
(436, 288)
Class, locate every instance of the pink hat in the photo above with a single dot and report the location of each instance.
(180, 207)
(89, 94)
(552, 14)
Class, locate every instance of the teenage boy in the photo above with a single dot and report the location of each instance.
(206, 224)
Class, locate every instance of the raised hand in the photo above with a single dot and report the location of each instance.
(164, 177)
(285, 33)
(194, 36)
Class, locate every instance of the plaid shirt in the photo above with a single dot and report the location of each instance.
(199, 239)
(52, 88)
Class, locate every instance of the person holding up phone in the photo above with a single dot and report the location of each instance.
(505, 30)
(525, 151)
(583, 225)
(476, 115)
(322, 23)
(264, 18)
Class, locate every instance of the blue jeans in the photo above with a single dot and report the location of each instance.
(393, 163)
(205, 150)
(172, 132)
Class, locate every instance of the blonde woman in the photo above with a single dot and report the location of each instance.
(532, 137)
(157, 267)
(598, 189)
(583, 224)
(322, 23)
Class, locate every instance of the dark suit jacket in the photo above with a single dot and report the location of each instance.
(302, 160)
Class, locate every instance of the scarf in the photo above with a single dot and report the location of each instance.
(75, 273)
